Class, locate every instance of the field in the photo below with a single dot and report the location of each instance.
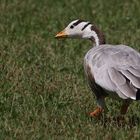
(43, 91)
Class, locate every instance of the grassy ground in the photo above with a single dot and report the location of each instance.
(43, 91)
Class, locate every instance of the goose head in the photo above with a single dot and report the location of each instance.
(82, 29)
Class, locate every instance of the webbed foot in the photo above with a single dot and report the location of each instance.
(97, 112)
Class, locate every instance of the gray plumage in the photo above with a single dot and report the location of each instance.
(115, 68)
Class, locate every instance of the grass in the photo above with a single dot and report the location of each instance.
(43, 91)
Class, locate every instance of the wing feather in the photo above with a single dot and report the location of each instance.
(122, 85)
(116, 77)
(134, 70)
(121, 95)
(133, 79)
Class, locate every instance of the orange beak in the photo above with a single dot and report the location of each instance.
(61, 34)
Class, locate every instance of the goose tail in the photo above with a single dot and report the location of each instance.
(138, 94)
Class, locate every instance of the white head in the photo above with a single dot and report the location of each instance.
(82, 29)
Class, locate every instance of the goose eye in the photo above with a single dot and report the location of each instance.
(71, 26)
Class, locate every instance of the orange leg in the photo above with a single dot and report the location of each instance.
(96, 112)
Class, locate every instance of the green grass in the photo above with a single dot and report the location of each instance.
(43, 91)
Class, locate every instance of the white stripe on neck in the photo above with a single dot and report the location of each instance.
(93, 36)
(96, 38)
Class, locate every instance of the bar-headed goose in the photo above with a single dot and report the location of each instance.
(111, 70)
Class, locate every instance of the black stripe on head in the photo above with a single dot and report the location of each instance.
(86, 26)
(78, 22)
